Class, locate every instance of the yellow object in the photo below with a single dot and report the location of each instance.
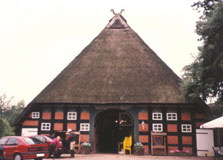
(127, 143)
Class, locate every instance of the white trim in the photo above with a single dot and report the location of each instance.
(186, 128)
(71, 115)
(157, 127)
(45, 126)
(157, 116)
(171, 116)
(35, 115)
(84, 126)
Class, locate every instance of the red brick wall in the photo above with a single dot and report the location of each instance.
(172, 148)
(171, 127)
(197, 124)
(143, 138)
(85, 116)
(143, 116)
(30, 123)
(58, 126)
(172, 139)
(186, 116)
(199, 115)
(188, 149)
(146, 127)
(146, 149)
(186, 139)
(84, 138)
(46, 115)
(59, 115)
(72, 126)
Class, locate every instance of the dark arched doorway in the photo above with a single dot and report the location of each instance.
(111, 127)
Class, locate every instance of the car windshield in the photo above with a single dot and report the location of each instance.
(32, 140)
(3, 140)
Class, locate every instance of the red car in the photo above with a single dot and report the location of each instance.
(19, 148)
(48, 140)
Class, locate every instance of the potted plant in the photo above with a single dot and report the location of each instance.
(138, 149)
(85, 148)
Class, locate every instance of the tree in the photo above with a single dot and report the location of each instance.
(5, 129)
(4, 104)
(8, 113)
(14, 111)
(204, 77)
(206, 5)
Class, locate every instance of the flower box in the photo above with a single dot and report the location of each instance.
(138, 149)
(85, 148)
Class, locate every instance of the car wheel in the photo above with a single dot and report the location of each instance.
(38, 158)
(18, 157)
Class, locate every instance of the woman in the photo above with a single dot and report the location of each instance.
(53, 146)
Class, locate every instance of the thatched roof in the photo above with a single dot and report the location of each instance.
(116, 67)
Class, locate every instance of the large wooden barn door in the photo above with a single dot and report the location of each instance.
(111, 127)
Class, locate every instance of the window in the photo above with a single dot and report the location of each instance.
(45, 126)
(157, 116)
(186, 128)
(85, 127)
(125, 119)
(71, 115)
(12, 142)
(157, 127)
(35, 115)
(171, 116)
(3, 140)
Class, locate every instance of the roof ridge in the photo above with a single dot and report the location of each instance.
(118, 21)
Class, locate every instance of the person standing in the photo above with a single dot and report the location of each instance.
(71, 139)
(53, 146)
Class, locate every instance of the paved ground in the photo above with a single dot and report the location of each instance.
(127, 157)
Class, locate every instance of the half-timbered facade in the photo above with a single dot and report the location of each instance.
(116, 87)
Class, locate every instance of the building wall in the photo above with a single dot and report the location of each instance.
(180, 132)
(57, 118)
(53, 118)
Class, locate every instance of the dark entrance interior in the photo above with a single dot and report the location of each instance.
(111, 127)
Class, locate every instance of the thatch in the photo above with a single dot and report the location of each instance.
(116, 67)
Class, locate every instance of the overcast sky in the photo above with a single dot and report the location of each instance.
(39, 38)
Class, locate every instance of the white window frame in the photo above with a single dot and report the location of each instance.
(157, 116)
(157, 127)
(84, 126)
(171, 116)
(71, 115)
(186, 128)
(45, 126)
(35, 115)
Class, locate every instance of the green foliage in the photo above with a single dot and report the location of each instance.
(5, 129)
(206, 5)
(8, 113)
(204, 77)
(14, 111)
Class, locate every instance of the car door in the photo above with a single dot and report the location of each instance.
(10, 147)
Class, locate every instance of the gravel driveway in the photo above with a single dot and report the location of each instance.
(126, 157)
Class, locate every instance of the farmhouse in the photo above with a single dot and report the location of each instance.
(117, 87)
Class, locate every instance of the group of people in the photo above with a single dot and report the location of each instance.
(68, 141)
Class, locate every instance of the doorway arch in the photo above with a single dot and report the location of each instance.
(111, 126)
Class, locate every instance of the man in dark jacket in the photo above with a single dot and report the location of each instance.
(71, 139)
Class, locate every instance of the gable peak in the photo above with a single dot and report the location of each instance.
(118, 21)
